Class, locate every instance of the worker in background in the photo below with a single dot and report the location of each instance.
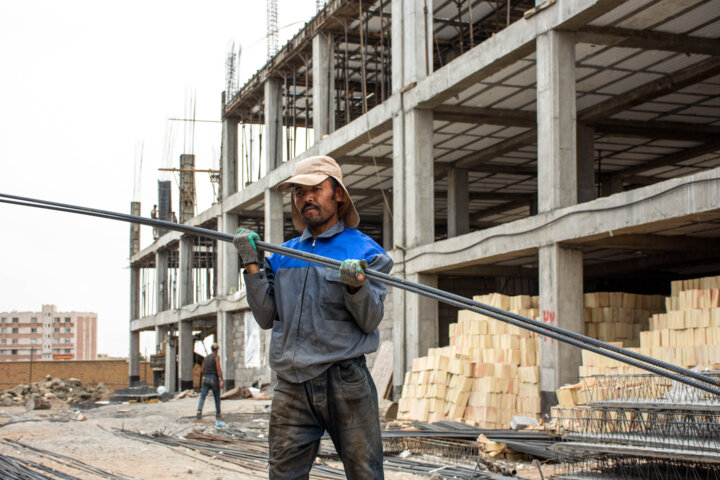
(323, 323)
(212, 379)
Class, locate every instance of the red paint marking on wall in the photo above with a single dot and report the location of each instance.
(548, 317)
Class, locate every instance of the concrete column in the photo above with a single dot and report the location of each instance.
(226, 341)
(134, 347)
(186, 344)
(185, 277)
(134, 359)
(134, 229)
(419, 188)
(134, 353)
(415, 318)
(585, 163)
(273, 124)
(557, 168)
(421, 320)
(161, 332)
(412, 45)
(229, 174)
(161, 266)
(458, 213)
(187, 187)
(274, 217)
(561, 303)
(227, 257)
(387, 228)
(171, 346)
(323, 87)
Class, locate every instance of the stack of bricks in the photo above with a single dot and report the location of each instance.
(618, 316)
(687, 335)
(490, 369)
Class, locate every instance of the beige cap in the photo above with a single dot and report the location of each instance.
(214, 346)
(314, 170)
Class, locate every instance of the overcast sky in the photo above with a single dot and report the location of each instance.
(84, 88)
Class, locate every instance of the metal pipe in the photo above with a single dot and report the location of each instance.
(560, 334)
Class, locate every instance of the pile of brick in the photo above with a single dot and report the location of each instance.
(68, 391)
(619, 316)
(687, 335)
(488, 374)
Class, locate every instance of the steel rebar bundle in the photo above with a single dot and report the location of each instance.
(252, 453)
(68, 461)
(13, 468)
(682, 375)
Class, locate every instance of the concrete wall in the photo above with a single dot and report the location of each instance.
(113, 373)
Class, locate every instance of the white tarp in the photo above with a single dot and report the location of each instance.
(252, 341)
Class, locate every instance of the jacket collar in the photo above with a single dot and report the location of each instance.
(332, 231)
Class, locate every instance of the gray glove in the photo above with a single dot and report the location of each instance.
(352, 272)
(244, 241)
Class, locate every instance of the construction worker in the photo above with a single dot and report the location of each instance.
(323, 323)
(212, 379)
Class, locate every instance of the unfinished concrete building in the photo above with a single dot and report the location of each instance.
(546, 148)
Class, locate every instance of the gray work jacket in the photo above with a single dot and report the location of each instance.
(315, 321)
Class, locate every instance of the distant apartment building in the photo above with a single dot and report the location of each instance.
(48, 335)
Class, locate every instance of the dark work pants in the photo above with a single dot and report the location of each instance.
(210, 382)
(343, 401)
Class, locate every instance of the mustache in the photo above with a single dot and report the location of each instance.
(310, 205)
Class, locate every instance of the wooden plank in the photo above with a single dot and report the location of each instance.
(382, 369)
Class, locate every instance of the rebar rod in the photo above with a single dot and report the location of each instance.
(616, 353)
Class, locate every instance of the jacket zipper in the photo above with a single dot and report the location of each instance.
(302, 302)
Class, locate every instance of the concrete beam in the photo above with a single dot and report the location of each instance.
(506, 47)
(671, 159)
(484, 115)
(663, 203)
(475, 159)
(663, 243)
(656, 88)
(647, 40)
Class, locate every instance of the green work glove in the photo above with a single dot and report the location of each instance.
(244, 241)
(352, 272)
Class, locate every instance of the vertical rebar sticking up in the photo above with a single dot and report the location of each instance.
(319, 5)
(230, 74)
(272, 28)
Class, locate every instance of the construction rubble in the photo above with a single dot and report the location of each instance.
(69, 391)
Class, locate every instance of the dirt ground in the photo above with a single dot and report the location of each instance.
(88, 436)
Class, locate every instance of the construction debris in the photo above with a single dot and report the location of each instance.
(38, 394)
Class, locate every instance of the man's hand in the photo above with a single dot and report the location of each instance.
(244, 241)
(352, 272)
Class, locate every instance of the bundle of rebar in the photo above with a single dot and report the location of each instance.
(13, 468)
(67, 461)
(652, 365)
(252, 453)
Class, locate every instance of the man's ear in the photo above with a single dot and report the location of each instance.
(339, 194)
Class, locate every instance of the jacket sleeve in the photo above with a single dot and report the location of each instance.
(367, 304)
(261, 296)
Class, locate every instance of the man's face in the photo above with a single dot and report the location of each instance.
(318, 204)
